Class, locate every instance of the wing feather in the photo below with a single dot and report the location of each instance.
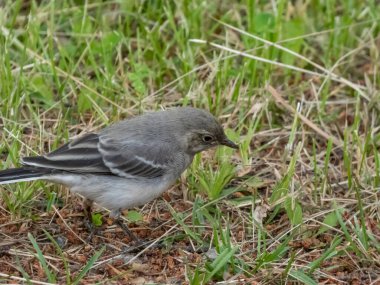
(128, 159)
(100, 154)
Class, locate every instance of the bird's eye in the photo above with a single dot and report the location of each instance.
(207, 138)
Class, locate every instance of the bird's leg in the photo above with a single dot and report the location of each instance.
(116, 215)
(138, 243)
(87, 207)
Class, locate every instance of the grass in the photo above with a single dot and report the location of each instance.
(296, 83)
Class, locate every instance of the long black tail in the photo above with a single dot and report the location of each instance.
(22, 174)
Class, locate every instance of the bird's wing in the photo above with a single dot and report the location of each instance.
(100, 154)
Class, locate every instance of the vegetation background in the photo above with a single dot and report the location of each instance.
(295, 82)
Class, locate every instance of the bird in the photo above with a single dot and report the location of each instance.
(128, 163)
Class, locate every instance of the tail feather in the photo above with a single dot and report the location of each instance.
(22, 174)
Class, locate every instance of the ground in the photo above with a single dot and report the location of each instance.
(295, 83)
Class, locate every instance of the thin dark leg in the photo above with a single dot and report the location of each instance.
(126, 230)
(138, 243)
(87, 205)
(115, 214)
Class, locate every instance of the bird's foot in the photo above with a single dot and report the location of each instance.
(127, 231)
(116, 216)
(141, 245)
(92, 230)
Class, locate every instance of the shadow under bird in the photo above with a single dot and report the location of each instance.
(128, 163)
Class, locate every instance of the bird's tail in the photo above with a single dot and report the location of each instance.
(22, 174)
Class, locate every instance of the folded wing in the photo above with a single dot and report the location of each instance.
(102, 155)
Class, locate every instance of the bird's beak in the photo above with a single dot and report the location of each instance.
(229, 143)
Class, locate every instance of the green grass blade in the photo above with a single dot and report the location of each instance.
(88, 266)
(41, 258)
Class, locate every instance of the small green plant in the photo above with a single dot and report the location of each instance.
(70, 279)
(96, 219)
(221, 257)
(210, 180)
(51, 276)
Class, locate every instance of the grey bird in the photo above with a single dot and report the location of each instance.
(128, 163)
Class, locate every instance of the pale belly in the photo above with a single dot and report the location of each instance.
(115, 193)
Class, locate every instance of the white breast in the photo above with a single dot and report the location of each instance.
(114, 192)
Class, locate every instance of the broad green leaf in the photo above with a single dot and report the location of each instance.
(302, 277)
(96, 219)
(330, 221)
(134, 216)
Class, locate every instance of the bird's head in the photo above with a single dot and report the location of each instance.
(202, 131)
